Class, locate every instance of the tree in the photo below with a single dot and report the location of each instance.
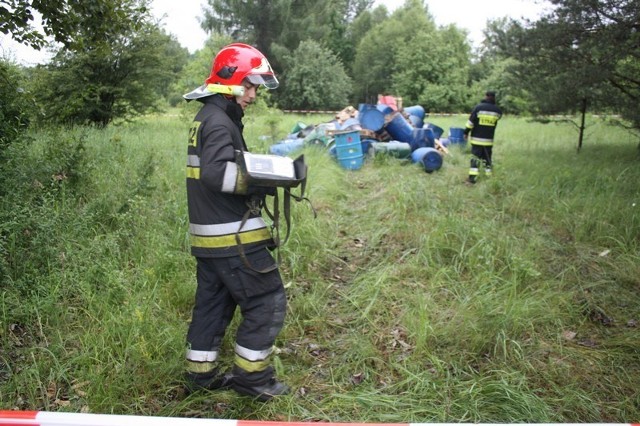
(497, 57)
(584, 53)
(376, 58)
(314, 79)
(365, 21)
(63, 20)
(282, 24)
(407, 55)
(111, 74)
(433, 70)
(254, 22)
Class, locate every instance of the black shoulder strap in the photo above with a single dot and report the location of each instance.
(274, 215)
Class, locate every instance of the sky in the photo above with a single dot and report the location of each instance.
(180, 17)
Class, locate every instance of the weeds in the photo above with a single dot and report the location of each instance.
(412, 298)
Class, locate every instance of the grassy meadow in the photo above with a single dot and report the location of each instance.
(412, 297)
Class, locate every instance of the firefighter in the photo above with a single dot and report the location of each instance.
(229, 238)
(480, 131)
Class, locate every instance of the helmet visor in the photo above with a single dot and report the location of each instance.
(267, 80)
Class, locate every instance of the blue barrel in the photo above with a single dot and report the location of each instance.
(422, 138)
(416, 121)
(367, 149)
(284, 148)
(416, 115)
(366, 144)
(399, 128)
(416, 110)
(384, 109)
(437, 131)
(350, 157)
(347, 138)
(371, 118)
(456, 135)
(430, 159)
(351, 124)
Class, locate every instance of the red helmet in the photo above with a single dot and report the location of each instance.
(238, 61)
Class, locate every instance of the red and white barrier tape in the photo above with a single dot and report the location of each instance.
(46, 418)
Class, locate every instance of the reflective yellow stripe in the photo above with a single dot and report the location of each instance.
(193, 172)
(200, 367)
(481, 143)
(251, 366)
(230, 240)
(193, 133)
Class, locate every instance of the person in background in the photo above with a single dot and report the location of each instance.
(480, 132)
(229, 238)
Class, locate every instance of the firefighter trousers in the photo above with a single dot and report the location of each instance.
(223, 285)
(480, 155)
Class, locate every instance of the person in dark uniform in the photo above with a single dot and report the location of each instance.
(480, 132)
(229, 238)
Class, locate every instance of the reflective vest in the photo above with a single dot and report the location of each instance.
(482, 123)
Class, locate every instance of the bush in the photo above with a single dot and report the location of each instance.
(15, 104)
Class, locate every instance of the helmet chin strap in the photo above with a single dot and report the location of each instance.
(226, 90)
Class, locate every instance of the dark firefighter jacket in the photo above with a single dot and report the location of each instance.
(482, 123)
(217, 193)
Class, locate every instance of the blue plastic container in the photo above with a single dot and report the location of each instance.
(456, 135)
(422, 138)
(366, 144)
(385, 109)
(416, 115)
(350, 156)
(399, 128)
(285, 148)
(371, 118)
(348, 151)
(367, 148)
(348, 148)
(416, 110)
(429, 158)
(347, 138)
(416, 121)
(351, 124)
(353, 163)
(437, 131)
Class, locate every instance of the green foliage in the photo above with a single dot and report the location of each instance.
(432, 70)
(314, 79)
(72, 23)
(397, 50)
(40, 179)
(116, 79)
(581, 52)
(266, 24)
(412, 298)
(495, 74)
(15, 105)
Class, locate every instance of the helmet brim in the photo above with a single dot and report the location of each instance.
(267, 80)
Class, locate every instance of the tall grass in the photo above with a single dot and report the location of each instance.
(412, 297)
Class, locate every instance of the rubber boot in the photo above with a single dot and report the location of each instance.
(211, 380)
(261, 385)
